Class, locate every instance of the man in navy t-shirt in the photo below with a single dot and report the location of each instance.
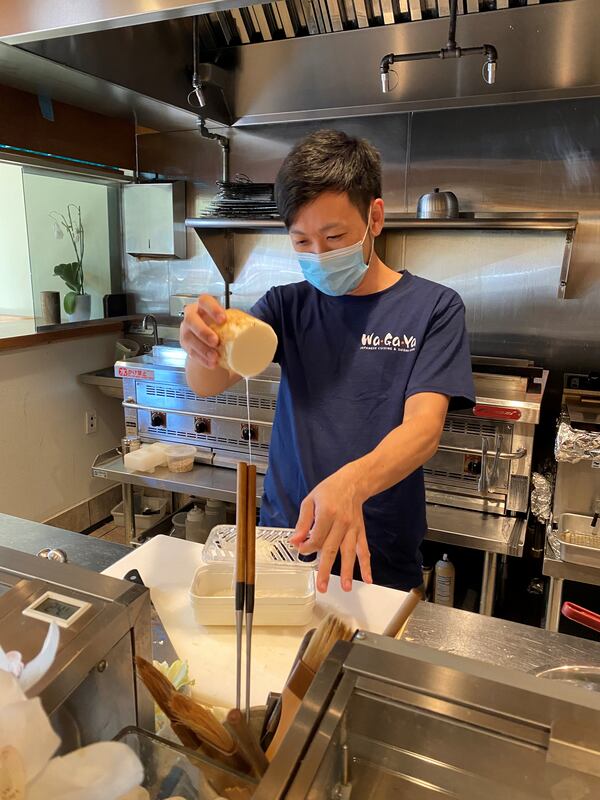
(370, 361)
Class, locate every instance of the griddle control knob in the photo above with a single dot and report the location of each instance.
(474, 467)
(158, 419)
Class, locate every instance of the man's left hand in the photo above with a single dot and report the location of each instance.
(331, 520)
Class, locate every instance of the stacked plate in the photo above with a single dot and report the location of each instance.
(242, 199)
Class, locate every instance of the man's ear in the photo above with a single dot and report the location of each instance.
(377, 216)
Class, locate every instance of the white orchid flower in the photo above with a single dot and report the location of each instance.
(29, 674)
(103, 771)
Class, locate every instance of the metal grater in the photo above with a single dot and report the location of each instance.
(272, 547)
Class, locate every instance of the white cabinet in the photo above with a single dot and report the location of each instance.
(154, 219)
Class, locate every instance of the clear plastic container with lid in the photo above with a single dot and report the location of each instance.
(180, 457)
(273, 548)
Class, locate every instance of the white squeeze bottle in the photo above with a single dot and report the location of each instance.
(444, 582)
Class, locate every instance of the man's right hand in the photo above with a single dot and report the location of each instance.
(196, 336)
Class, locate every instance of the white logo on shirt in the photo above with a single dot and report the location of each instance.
(403, 344)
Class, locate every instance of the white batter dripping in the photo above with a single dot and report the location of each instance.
(249, 423)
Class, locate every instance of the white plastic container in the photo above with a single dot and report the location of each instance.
(142, 521)
(146, 459)
(283, 596)
(178, 520)
(196, 529)
(180, 457)
(216, 513)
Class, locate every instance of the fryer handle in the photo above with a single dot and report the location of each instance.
(581, 615)
(520, 452)
(483, 476)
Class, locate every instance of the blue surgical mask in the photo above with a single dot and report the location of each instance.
(336, 272)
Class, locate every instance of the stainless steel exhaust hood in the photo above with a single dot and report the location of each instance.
(278, 72)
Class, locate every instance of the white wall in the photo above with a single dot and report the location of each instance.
(15, 279)
(44, 194)
(45, 454)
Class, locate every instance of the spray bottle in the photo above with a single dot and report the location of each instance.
(444, 582)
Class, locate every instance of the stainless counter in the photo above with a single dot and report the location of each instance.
(497, 641)
(84, 551)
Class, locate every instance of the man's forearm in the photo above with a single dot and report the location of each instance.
(400, 453)
(207, 382)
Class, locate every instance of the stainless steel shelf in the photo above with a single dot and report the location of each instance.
(560, 571)
(217, 234)
(206, 223)
(477, 531)
(204, 480)
(503, 535)
(105, 380)
(481, 221)
(554, 567)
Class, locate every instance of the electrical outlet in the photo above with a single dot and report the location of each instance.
(91, 421)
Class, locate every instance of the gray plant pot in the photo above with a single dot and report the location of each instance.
(83, 308)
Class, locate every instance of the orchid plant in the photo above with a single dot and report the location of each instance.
(72, 272)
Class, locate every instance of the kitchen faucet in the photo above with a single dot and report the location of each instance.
(149, 318)
(596, 516)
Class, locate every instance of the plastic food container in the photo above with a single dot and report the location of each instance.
(146, 458)
(283, 596)
(180, 457)
(157, 505)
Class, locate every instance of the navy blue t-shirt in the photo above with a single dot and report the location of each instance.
(348, 364)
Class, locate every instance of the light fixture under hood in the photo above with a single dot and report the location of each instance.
(451, 50)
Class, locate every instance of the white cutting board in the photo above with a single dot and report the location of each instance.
(167, 567)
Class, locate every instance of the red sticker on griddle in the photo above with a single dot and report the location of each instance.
(135, 372)
(497, 412)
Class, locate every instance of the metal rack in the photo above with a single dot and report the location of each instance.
(217, 234)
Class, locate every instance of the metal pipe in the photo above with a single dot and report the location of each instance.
(223, 142)
(128, 512)
(140, 407)
(451, 50)
(452, 26)
(488, 583)
(553, 604)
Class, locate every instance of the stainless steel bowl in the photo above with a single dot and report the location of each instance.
(584, 677)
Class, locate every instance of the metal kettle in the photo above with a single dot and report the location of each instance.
(437, 205)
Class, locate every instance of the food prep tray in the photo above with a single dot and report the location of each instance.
(283, 597)
(578, 541)
(273, 548)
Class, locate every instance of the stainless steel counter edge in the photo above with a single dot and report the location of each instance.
(83, 551)
(497, 641)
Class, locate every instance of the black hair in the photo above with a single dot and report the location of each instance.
(328, 161)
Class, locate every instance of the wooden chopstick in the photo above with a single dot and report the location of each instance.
(250, 572)
(240, 569)
(396, 625)
(247, 742)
